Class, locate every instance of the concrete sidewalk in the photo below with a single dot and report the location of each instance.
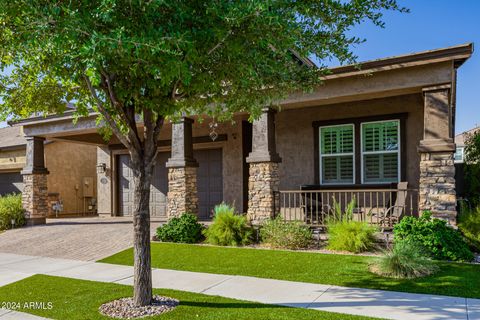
(374, 303)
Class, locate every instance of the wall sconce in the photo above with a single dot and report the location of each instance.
(101, 168)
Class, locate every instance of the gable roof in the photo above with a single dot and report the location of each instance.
(12, 137)
(461, 137)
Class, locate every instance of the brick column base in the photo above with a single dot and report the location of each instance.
(35, 198)
(182, 191)
(263, 183)
(437, 185)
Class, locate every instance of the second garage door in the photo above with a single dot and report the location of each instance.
(11, 182)
(209, 184)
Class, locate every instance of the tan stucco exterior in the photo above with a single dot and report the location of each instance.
(12, 160)
(68, 165)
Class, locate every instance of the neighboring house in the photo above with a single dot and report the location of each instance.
(367, 128)
(460, 140)
(72, 174)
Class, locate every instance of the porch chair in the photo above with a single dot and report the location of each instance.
(387, 217)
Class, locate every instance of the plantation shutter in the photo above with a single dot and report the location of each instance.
(337, 154)
(380, 151)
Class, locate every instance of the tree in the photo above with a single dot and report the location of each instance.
(138, 63)
(472, 167)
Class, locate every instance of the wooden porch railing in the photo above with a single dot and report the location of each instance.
(381, 207)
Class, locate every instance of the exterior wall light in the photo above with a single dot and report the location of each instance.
(101, 168)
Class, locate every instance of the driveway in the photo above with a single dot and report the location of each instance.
(86, 239)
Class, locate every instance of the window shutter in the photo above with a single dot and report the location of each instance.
(336, 153)
(380, 150)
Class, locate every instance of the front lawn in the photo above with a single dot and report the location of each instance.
(453, 279)
(79, 299)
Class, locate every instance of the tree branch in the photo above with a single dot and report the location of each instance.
(111, 122)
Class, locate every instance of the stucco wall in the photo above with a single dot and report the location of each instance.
(295, 140)
(104, 181)
(68, 164)
(295, 143)
(12, 160)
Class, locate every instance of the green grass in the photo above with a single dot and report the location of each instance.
(453, 279)
(79, 299)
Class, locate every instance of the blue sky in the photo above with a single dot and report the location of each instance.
(431, 24)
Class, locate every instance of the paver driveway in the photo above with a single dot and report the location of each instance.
(84, 239)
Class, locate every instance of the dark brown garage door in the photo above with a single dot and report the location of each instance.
(209, 183)
(158, 190)
(11, 182)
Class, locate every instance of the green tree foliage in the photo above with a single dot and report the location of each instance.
(472, 167)
(136, 63)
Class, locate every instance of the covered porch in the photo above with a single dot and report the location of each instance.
(390, 148)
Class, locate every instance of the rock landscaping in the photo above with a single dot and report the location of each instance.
(125, 308)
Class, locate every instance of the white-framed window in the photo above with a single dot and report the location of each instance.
(380, 151)
(459, 154)
(337, 154)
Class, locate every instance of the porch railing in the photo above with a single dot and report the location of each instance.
(381, 207)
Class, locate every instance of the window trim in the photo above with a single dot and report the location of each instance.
(336, 155)
(398, 151)
(356, 121)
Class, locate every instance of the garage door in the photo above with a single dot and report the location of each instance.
(158, 190)
(209, 183)
(11, 182)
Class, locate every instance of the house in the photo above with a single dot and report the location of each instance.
(460, 140)
(367, 128)
(72, 173)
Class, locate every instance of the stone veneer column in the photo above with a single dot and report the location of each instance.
(264, 180)
(35, 192)
(437, 170)
(182, 171)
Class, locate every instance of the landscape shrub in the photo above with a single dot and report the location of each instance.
(352, 236)
(469, 225)
(405, 261)
(184, 229)
(228, 228)
(437, 239)
(11, 208)
(277, 233)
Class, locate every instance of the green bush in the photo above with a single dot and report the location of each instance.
(352, 236)
(184, 229)
(11, 208)
(434, 236)
(227, 228)
(278, 233)
(469, 225)
(404, 261)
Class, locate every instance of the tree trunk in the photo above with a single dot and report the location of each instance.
(142, 292)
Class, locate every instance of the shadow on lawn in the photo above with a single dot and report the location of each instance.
(228, 305)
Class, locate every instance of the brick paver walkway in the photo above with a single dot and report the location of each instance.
(84, 239)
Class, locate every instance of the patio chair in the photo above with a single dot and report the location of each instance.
(387, 217)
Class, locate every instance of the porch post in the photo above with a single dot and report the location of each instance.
(437, 170)
(35, 192)
(264, 180)
(182, 171)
